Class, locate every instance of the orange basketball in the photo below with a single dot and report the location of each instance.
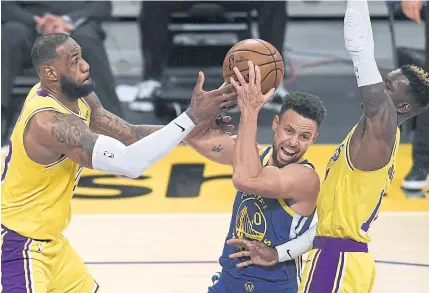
(261, 53)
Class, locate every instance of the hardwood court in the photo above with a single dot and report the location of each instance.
(178, 253)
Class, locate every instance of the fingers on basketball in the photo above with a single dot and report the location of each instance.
(261, 53)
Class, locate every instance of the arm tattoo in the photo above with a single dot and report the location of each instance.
(379, 108)
(217, 148)
(73, 133)
(106, 123)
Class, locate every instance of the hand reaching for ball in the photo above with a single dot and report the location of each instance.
(249, 94)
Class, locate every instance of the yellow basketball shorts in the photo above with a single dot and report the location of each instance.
(29, 266)
(331, 270)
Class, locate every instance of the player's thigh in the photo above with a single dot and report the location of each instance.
(359, 273)
(337, 272)
(70, 273)
(23, 268)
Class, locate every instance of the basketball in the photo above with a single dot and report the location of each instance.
(261, 53)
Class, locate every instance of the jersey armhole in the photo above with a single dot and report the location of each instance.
(349, 161)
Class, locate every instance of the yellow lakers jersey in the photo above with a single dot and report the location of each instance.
(36, 198)
(350, 199)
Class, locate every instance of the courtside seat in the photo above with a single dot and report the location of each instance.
(202, 36)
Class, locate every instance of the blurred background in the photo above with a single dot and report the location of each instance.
(145, 57)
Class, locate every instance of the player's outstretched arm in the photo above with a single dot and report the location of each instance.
(50, 134)
(206, 103)
(374, 139)
(54, 134)
(106, 123)
(294, 181)
(214, 142)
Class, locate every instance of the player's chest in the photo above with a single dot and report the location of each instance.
(260, 219)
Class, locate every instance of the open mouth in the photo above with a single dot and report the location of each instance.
(286, 153)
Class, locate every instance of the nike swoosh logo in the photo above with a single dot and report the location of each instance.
(288, 252)
(181, 127)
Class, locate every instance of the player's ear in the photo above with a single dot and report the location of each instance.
(50, 73)
(403, 107)
(275, 122)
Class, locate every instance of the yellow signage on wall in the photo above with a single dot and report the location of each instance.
(186, 182)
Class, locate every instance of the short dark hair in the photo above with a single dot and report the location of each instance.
(44, 48)
(419, 84)
(305, 104)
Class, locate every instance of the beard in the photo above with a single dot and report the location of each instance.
(279, 164)
(74, 91)
(276, 160)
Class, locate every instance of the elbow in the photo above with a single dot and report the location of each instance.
(241, 183)
(133, 172)
(134, 175)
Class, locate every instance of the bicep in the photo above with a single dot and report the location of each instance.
(214, 145)
(294, 181)
(65, 134)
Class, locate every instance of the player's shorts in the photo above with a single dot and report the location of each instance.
(338, 266)
(225, 283)
(29, 265)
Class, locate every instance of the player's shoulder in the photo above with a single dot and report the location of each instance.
(92, 101)
(307, 163)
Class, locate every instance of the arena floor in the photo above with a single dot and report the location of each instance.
(178, 253)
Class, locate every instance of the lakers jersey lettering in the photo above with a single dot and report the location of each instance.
(266, 220)
(350, 199)
(36, 198)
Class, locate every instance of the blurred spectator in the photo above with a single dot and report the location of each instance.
(23, 21)
(416, 178)
(156, 41)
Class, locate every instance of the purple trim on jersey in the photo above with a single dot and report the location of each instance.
(365, 226)
(13, 264)
(42, 93)
(310, 273)
(339, 245)
(7, 162)
(340, 274)
(325, 271)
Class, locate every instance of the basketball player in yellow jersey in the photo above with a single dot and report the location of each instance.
(63, 128)
(357, 175)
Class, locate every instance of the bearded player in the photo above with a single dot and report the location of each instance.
(277, 186)
(357, 175)
(61, 129)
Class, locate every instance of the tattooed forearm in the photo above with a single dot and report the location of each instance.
(74, 135)
(111, 125)
(140, 131)
(217, 148)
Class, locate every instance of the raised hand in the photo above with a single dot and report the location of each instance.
(205, 106)
(259, 253)
(250, 96)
